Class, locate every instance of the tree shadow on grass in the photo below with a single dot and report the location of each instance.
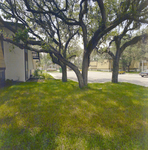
(31, 115)
(107, 119)
(52, 115)
(28, 125)
(123, 117)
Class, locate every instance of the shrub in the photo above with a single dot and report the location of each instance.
(36, 73)
(42, 75)
(46, 76)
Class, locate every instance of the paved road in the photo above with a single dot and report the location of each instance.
(101, 77)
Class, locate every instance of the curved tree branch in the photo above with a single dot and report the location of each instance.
(68, 21)
(133, 41)
(103, 13)
(66, 45)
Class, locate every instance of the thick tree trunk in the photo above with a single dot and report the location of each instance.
(115, 70)
(63, 66)
(73, 67)
(116, 59)
(78, 74)
(79, 77)
(64, 73)
(85, 66)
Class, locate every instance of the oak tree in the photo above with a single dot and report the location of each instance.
(46, 21)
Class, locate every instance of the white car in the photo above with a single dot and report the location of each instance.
(144, 73)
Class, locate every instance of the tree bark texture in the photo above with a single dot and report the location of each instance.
(74, 68)
(85, 66)
(115, 70)
(64, 73)
(116, 59)
(80, 78)
(77, 72)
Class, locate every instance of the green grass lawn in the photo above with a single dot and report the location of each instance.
(54, 115)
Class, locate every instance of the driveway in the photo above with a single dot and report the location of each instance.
(101, 77)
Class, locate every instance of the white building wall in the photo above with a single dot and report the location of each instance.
(14, 61)
(14, 58)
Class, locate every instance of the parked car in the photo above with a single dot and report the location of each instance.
(121, 72)
(144, 73)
